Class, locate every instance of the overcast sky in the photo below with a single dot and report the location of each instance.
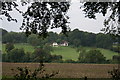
(77, 20)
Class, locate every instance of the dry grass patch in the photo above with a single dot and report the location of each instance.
(66, 70)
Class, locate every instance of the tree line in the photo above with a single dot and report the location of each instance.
(75, 38)
(43, 54)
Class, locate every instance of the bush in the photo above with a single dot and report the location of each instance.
(41, 55)
(92, 56)
(57, 61)
(27, 74)
(116, 49)
(9, 47)
(56, 57)
(16, 55)
(115, 74)
(27, 57)
(69, 61)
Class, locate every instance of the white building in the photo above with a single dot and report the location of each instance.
(55, 44)
(65, 43)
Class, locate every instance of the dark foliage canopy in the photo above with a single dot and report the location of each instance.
(112, 23)
(40, 16)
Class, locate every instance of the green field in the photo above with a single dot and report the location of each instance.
(70, 53)
(26, 47)
(66, 52)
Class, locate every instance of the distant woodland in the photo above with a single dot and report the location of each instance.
(76, 39)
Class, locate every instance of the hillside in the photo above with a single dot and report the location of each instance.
(70, 53)
(66, 52)
(26, 47)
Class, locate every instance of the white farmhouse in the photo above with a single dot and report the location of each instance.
(65, 43)
(55, 44)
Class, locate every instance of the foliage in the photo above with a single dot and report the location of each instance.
(116, 48)
(95, 56)
(27, 57)
(9, 47)
(115, 74)
(112, 22)
(27, 74)
(43, 17)
(45, 56)
(116, 59)
(70, 61)
(104, 41)
(3, 31)
(16, 55)
(48, 48)
(92, 56)
(52, 37)
(39, 17)
(14, 37)
(33, 40)
(75, 38)
(56, 58)
(63, 51)
(82, 55)
(41, 55)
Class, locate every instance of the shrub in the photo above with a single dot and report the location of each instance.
(27, 74)
(115, 74)
(92, 56)
(16, 55)
(70, 61)
(9, 47)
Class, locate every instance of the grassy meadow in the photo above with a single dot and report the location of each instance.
(66, 52)
(26, 47)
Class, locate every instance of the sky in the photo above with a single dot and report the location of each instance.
(77, 20)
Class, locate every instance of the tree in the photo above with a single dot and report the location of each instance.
(82, 55)
(41, 55)
(9, 47)
(48, 48)
(39, 17)
(95, 56)
(92, 56)
(52, 37)
(75, 37)
(33, 40)
(16, 55)
(26, 74)
(104, 41)
(56, 58)
(89, 39)
(8, 38)
(41, 21)
(92, 8)
(14, 37)
(3, 31)
(27, 57)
